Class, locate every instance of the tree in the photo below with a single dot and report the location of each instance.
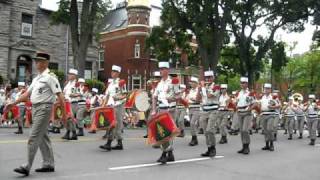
(248, 17)
(83, 19)
(204, 19)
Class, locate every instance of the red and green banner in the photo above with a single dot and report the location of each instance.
(57, 111)
(161, 129)
(104, 118)
(12, 114)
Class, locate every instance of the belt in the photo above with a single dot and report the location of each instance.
(74, 102)
(81, 101)
(167, 107)
(42, 103)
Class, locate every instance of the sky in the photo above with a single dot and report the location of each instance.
(304, 39)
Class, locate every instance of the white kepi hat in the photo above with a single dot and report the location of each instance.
(73, 71)
(164, 65)
(194, 79)
(312, 96)
(208, 73)
(81, 80)
(21, 84)
(224, 86)
(116, 68)
(94, 90)
(244, 79)
(267, 85)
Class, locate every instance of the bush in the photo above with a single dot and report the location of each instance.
(59, 74)
(94, 83)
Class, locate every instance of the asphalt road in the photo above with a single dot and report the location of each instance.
(82, 159)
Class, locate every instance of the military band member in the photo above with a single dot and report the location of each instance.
(71, 93)
(42, 93)
(22, 108)
(224, 113)
(208, 116)
(298, 109)
(164, 101)
(245, 103)
(268, 114)
(312, 110)
(234, 119)
(115, 97)
(275, 97)
(181, 110)
(193, 98)
(290, 116)
(82, 106)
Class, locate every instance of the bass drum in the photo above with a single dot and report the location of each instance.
(138, 100)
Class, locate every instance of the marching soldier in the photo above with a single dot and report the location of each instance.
(300, 116)
(268, 115)
(181, 110)
(312, 110)
(22, 109)
(82, 108)
(164, 101)
(234, 119)
(289, 114)
(71, 93)
(194, 108)
(210, 104)
(115, 97)
(42, 93)
(245, 103)
(224, 113)
(275, 97)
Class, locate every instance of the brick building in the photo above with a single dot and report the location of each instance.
(25, 28)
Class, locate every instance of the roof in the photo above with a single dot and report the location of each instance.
(116, 19)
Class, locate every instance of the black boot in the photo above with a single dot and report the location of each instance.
(145, 136)
(194, 141)
(80, 132)
(210, 153)
(312, 142)
(170, 157)
(67, 135)
(56, 130)
(300, 137)
(257, 131)
(275, 137)
(163, 158)
(119, 146)
(241, 150)
(295, 132)
(74, 135)
(19, 131)
(201, 131)
(107, 146)
(271, 146)
(285, 131)
(181, 134)
(318, 134)
(267, 147)
(223, 140)
(246, 149)
(105, 136)
(290, 137)
(250, 132)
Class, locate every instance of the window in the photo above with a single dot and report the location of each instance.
(26, 25)
(53, 66)
(88, 70)
(136, 82)
(101, 60)
(137, 50)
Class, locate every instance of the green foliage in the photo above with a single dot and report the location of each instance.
(303, 72)
(278, 56)
(59, 74)
(63, 14)
(94, 83)
(233, 82)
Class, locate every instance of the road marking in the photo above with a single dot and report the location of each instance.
(156, 164)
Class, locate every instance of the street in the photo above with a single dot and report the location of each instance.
(83, 159)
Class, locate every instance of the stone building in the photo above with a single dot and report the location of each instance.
(25, 29)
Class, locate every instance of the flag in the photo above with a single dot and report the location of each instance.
(161, 129)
